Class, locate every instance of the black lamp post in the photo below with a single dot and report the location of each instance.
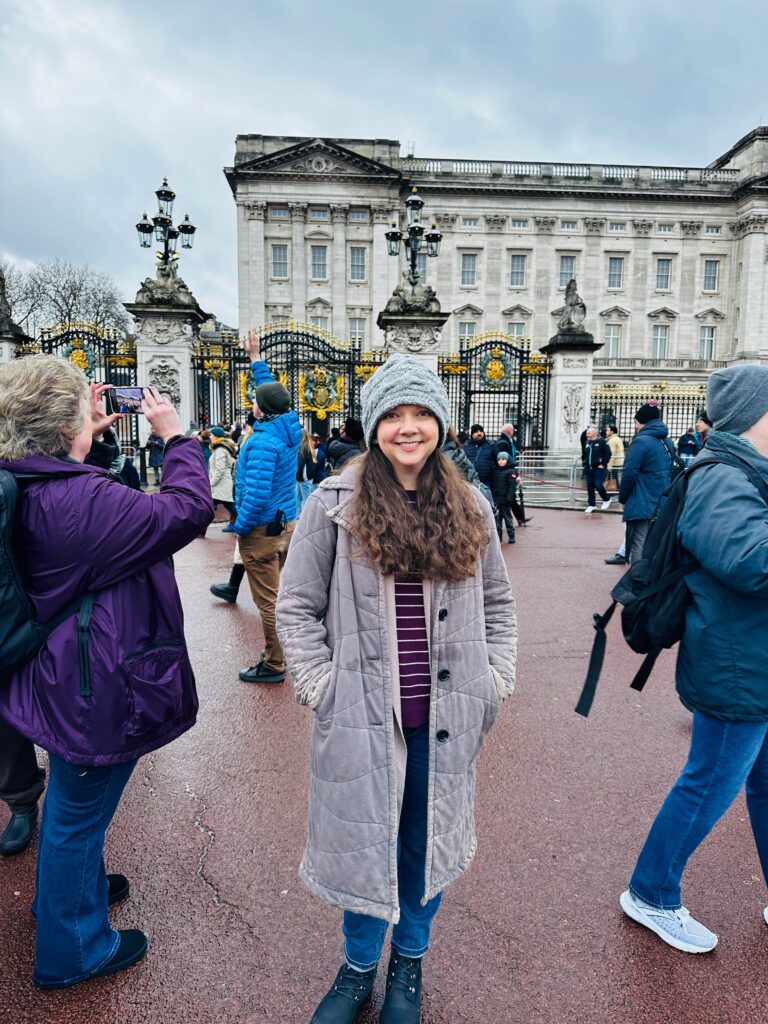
(414, 236)
(161, 226)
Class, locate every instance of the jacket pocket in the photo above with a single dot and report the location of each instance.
(500, 685)
(155, 680)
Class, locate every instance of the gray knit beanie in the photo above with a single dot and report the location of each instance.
(403, 380)
(737, 397)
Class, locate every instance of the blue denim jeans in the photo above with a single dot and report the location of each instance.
(595, 481)
(363, 934)
(303, 490)
(74, 937)
(724, 756)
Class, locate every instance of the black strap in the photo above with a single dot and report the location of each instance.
(596, 659)
(641, 677)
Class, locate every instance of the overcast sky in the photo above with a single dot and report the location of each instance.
(100, 99)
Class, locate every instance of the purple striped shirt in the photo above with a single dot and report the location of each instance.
(412, 647)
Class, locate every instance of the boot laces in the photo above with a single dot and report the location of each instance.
(351, 984)
(404, 974)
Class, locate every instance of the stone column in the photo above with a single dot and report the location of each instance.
(252, 280)
(298, 260)
(168, 320)
(339, 271)
(751, 291)
(570, 388)
(494, 271)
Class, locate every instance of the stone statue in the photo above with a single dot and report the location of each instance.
(167, 289)
(5, 306)
(412, 298)
(574, 312)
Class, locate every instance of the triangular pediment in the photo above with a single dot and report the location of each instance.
(710, 314)
(468, 308)
(518, 310)
(315, 158)
(615, 313)
(663, 313)
(319, 303)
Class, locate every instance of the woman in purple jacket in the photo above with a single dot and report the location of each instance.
(113, 681)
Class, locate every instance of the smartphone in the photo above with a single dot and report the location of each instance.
(125, 400)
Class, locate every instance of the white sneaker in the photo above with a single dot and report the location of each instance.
(676, 927)
(765, 915)
(605, 505)
(589, 510)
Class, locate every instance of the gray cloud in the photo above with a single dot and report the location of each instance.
(100, 100)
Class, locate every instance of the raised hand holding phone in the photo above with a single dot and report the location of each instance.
(160, 414)
(101, 420)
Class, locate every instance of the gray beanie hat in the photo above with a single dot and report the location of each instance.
(737, 397)
(403, 380)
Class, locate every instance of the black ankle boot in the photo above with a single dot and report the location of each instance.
(402, 1002)
(347, 994)
(236, 576)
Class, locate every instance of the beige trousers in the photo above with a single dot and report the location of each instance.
(263, 558)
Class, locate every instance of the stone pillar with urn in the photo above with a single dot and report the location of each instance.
(168, 320)
(571, 352)
(13, 340)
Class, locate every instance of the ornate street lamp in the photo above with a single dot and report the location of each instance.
(413, 236)
(161, 225)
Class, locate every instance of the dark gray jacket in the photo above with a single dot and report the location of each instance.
(721, 664)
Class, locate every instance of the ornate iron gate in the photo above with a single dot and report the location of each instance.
(617, 404)
(496, 379)
(323, 375)
(104, 356)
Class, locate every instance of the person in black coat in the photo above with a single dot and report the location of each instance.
(597, 455)
(481, 453)
(687, 446)
(504, 487)
(350, 444)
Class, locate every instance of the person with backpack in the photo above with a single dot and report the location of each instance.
(481, 453)
(109, 678)
(504, 494)
(720, 671)
(687, 446)
(398, 623)
(647, 471)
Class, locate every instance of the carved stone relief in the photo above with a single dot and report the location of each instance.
(545, 225)
(160, 330)
(254, 209)
(380, 214)
(412, 337)
(165, 377)
(690, 228)
(298, 211)
(594, 225)
(752, 224)
(573, 409)
(339, 214)
(447, 221)
(575, 363)
(495, 222)
(643, 228)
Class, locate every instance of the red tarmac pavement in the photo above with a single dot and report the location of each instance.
(211, 830)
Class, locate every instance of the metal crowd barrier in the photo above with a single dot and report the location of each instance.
(550, 478)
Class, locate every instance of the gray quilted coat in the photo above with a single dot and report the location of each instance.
(336, 621)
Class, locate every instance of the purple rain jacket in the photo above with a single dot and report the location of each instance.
(113, 681)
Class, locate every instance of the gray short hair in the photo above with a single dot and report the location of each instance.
(41, 406)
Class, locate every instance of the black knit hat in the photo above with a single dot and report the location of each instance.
(272, 398)
(703, 415)
(649, 411)
(474, 427)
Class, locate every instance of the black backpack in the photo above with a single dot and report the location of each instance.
(653, 593)
(676, 464)
(21, 637)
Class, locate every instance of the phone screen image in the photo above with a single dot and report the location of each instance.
(126, 400)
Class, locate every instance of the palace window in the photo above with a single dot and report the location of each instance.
(468, 268)
(519, 224)
(318, 214)
(319, 321)
(357, 263)
(467, 330)
(612, 339)
(359, 215)
(469, 222)
(319, 262)
(280, 262)
(617, 225)
(357, 330)
(278, 212)
(516, 328)
(568, 225)
(711, 229)
(517, 271)
(663, 273)
(615, 271)
(707, 337)
(567, 269)
(665, 229)
(711, 274)
(659, 341)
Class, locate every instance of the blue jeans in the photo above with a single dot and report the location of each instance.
(595, 480)
(74, 937)
(303, 490)
(724, 756)
(363, 934)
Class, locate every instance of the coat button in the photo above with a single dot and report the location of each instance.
(443, 614)
(443, 674)
(442, 735)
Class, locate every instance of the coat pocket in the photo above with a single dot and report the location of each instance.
(155, 680)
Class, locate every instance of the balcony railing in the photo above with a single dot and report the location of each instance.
(640, 363)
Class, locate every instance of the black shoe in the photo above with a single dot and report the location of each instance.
(524, 522)
(511, 539)
(118, 888)
(347, 994)
(133, 946)
(18, 833)
(261, 673)
(224, 591)
(402, 1002)
(616, 560)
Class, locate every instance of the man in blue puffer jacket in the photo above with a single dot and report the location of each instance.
(266, 505)
(646, 475)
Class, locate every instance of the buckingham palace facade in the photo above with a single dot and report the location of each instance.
(672, 262)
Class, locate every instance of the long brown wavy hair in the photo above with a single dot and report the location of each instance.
(439, 537)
